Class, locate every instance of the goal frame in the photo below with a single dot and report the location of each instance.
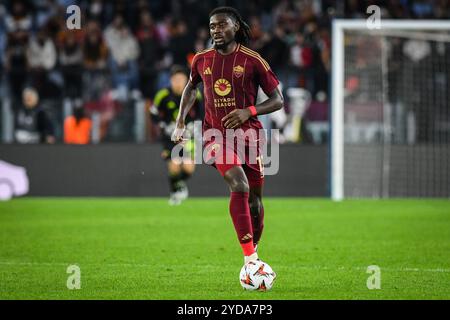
(339, 26)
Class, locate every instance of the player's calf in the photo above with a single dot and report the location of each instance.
(240, 210)
(257, 215)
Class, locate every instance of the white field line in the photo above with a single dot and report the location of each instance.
(140, 265)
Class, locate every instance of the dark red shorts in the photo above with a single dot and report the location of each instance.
(249, 157)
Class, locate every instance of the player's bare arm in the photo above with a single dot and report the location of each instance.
(238, 116)
(187, 101)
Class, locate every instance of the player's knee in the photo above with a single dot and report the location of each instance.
(189, 168)
(238, 185)
(236, 180)
(173, 167)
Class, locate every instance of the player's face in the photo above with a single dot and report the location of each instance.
(178, 81)
(222, 29)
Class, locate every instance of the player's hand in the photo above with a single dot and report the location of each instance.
(177, 135)
(236, 118)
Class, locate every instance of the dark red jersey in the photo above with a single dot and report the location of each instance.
(231, 82)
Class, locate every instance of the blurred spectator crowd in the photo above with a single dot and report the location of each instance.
(124, 50)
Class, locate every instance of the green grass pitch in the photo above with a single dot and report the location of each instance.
(144, 249)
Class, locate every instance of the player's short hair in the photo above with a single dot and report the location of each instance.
(243, 35)
(178, 69)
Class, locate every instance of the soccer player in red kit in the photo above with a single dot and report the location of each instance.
(231, 74)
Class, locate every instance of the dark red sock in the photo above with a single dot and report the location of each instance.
(257, 222)
(240, 214)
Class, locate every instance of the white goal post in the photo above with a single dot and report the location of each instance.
(387, 138)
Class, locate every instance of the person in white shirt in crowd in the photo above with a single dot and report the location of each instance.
(125, 51)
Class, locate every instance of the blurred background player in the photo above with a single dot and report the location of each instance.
(164, 113)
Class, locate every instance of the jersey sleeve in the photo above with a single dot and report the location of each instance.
(195, 77)
(158, 107)
(267, 80)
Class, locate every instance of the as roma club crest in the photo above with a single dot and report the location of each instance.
(238, 71)
(222, 87)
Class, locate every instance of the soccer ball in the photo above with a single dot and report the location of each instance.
(257, 275)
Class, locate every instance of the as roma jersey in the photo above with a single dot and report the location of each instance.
(231, 82)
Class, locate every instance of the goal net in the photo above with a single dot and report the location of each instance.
(390, 110)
